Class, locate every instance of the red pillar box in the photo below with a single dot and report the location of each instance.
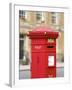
(43, 52)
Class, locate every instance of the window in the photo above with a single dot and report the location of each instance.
(21, 49)
(22, 14)
(39, 17)
(55, 18)
(53, 14)
(21, 46)
(23, 54)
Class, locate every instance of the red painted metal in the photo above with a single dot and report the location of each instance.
(41, 51)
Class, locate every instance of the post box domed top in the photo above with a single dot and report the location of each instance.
(42, 29)
(43, 32)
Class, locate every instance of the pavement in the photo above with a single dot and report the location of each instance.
(25, 73)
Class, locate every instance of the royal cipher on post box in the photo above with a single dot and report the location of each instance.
(43, 52)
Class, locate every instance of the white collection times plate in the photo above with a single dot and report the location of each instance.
(50, 60)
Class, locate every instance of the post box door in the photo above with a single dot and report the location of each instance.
(42, 65)
(38, 66)
(34, 66)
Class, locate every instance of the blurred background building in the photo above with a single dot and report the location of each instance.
(31, 19)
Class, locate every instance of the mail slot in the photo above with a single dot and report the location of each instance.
(43, 52)
(50, 46)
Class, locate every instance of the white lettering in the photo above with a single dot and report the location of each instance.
(37, 47)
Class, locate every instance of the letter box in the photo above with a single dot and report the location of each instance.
(43, 52)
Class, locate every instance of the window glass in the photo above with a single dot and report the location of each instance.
(22, 14)
(53, 14)
(23, 54)
(38, 15)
